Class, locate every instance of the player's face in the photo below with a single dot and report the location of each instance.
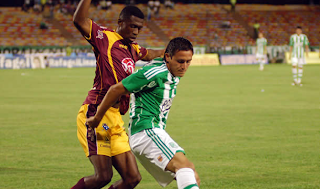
(260, 35)
(299, 31)
(179, 63)
(129, 29)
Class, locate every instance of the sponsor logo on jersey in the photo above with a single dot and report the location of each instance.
(166, 105)
(100, 34)
(128, 65)
(152, 84)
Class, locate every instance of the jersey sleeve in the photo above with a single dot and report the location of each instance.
(96, 36)
(265, 42)
(136, 81)
(306, 40)
(143, 52)
(291, 41)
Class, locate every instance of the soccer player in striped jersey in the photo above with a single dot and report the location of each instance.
(152, 89)
(261, 54)
(299, 44)
(116, 53)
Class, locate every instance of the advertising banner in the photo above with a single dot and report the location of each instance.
(205, 60)
(313, 58)
(238, 59)
(8, 61)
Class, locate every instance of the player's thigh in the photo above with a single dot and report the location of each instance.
(179, 161)
(94, 141)
(301, 62)
(294, 61)
(126, 165)
(154, 148)
(102, 165)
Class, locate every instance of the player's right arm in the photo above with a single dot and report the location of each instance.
(80, 17)
(290, 48)
(112, 96)
(133, 83)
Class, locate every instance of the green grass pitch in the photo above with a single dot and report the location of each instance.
(242, 128)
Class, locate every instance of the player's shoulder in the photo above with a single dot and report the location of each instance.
(156, 69)
(103, 28)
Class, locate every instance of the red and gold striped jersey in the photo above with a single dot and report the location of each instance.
(115, 60)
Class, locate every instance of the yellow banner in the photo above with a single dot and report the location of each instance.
(205, 60)
(313, 58)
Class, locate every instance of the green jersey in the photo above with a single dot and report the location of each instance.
(298, 43)
(261, 43)
(153, 88)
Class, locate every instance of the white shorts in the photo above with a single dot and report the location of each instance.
(154, 148)
(261, 58)
(299, 61)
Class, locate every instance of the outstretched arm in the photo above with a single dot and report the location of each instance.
(152, 54)
(80, 17)
(307, 50)
(112, 96)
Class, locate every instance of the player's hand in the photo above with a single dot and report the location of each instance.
(92, 122)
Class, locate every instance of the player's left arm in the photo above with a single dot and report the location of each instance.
(306, 46)
(152, 54)
(265, 47)
(112, 96)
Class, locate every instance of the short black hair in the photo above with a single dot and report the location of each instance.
(299, 27)
(129, 11)
(178, 44)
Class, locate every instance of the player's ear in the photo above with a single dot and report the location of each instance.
(166, 57)
(119, 21)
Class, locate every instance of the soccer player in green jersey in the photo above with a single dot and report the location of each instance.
(152, 89)
(261, 54)
(299, 44)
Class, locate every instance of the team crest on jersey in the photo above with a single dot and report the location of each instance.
(128, 65)
(100, 34)
(173, 145)
(160, 158)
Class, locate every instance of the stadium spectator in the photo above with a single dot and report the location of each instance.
(43, 4)
(168, 4)
(105, 5)
(153, 89)
(24, 8)
(68, 50)
(116, 54)
(233, 5)
(37, 8)
(150, 9)
(256, 27)
(46, 62)
(156, 8)
(226, 24)
(43, 25)
(27, 3)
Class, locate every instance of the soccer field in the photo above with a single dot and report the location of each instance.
(242, 128)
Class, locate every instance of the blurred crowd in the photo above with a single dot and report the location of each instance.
(48, 7)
